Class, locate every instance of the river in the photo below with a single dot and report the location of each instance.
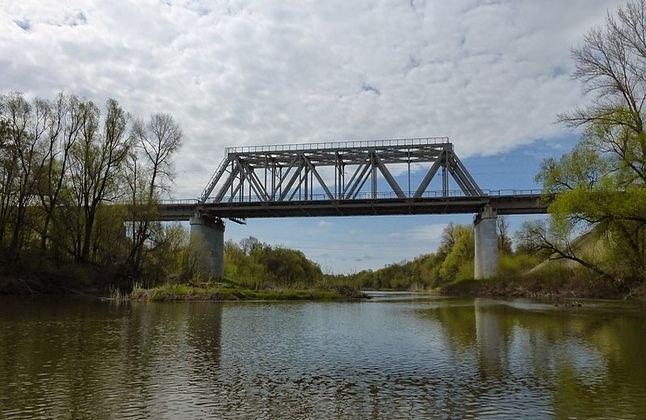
(395, 356)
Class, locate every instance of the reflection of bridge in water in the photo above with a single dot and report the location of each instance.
(352, 178)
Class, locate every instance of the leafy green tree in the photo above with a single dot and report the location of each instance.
(601, 184)
(458, 263)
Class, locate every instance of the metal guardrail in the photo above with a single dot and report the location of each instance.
(388, 195)
(419, 141)
(362, 196)
(188, 201)
(510, 192)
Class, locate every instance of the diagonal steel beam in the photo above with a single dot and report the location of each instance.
(459, 172)
(365, 179)
(458, 179)
(227, 185)
(471, 182)
(389, 178)
(352, 178)
(298, 186)
(214, 180)
(430, 174)
(256, 184)
(235, 192)
(291, 182)
(318, 178)
(359, 181)
(283, 177)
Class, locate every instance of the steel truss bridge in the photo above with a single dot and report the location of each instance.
(349, 178)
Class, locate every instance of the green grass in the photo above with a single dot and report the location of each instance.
(184, 292)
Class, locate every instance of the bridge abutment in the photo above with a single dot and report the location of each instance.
(207, 245)
(486, 243)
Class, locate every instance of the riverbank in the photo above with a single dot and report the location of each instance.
(532, 287)
(218, 293)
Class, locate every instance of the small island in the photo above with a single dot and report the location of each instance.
(220, 292)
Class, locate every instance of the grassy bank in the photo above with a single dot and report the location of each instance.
(184, 292)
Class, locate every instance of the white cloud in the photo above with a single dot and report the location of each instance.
(324, 225)
(490, 74)
(427, 233)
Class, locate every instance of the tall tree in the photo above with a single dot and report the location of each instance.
(8, 171)
(27, 130)
(157, 142)
(64, 129)
(97, 157)
(504, 240)
(601, 185)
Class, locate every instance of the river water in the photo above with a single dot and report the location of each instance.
(395, 356)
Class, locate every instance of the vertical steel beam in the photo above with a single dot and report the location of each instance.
(445, 176)
(373, 168)
(408, 172)
(315, 173)
(389, 178)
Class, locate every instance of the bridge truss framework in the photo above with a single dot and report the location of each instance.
(290, 173)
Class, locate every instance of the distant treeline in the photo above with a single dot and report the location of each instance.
(452, 261)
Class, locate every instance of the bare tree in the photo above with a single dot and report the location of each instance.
(611, 63)
(504, 240)
(64, 129)
(27, 128)
(96, 162)
(157, 141)
(8, 172)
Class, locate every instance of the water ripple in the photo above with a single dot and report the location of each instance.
(408, 358)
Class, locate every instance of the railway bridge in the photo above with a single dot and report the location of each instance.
(348, 178)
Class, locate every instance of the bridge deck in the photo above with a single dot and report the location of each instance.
(503, 204)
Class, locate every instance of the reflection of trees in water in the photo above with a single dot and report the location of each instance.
(84, 359)
(619, 389)
(590, 361)
(457, 320)
(60, 356)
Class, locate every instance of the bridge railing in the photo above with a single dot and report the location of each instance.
(385, 195)
(362, 196)
(187, 201)
(510, 192)
(420, 141)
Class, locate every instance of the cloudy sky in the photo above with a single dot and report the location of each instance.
(491, 75)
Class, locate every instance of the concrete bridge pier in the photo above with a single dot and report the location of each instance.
(486, 243)
(207, 245)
